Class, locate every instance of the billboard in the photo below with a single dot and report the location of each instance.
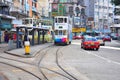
(78, 30)
(54, 7)
(58, 9)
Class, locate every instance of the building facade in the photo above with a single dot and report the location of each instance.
(103, 15)
(18, 10)
(89, 4)
(5, 18)
(13, 11)
(116, 27)
(44, 6)
(32, 8)
(72, 8)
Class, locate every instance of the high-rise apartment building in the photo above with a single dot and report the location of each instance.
(89, 8)
(103, 15)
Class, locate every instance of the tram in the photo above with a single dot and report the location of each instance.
(62, 30)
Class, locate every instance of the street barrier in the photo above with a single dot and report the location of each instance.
(27, 47)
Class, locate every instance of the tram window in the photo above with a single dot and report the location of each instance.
(60, 32)
(65, 20)
(30, 21)
(56, 32)
(55, 20)
(25, 21)
(60, 20)
(64, 32)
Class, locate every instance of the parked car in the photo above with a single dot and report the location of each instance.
(106, 38)
(102, 43)
(114, 36)
(78, 37)
(90, 43)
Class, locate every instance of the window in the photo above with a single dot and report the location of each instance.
(65, 20)
(56, 32)
(22, 2)
(55, 20)
(64, 32)
(30, 21)
(60, 20)
(60, 32)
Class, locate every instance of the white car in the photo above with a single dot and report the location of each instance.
(102, 43)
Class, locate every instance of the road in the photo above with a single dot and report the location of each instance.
(96, 65)
(65, 63)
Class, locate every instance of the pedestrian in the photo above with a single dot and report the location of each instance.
(25, 39)
(10, 42)
(20, 41)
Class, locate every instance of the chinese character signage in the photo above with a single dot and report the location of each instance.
(54, 9)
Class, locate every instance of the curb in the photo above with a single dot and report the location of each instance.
(23, 56)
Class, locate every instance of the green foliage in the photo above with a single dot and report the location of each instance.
(115, 2)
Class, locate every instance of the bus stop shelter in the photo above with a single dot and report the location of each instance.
(41, 32)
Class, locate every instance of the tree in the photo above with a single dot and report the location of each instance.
(115, 2)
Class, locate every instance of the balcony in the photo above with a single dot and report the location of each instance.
(5, 3)
(34, 9)
(4, 9)
(18, 11)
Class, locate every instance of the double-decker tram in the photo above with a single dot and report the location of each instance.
(62, 30)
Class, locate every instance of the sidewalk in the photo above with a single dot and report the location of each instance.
(20, 52)
(2, 76)
(3, 47)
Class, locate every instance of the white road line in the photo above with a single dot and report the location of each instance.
(106, 59)
(76, 43)
(107, 47)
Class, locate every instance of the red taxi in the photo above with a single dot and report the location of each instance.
(90, 43)
(78, 37)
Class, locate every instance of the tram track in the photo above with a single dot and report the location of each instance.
(22, 70)
(41, 55)
(58, 64)
(66, 74)
(22, 62)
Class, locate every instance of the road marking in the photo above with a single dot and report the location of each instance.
(106, 59)
(107, 47)
(76, 43)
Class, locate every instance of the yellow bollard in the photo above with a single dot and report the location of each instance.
(27, 47)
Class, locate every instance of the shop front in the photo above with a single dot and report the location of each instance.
(5, 25)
